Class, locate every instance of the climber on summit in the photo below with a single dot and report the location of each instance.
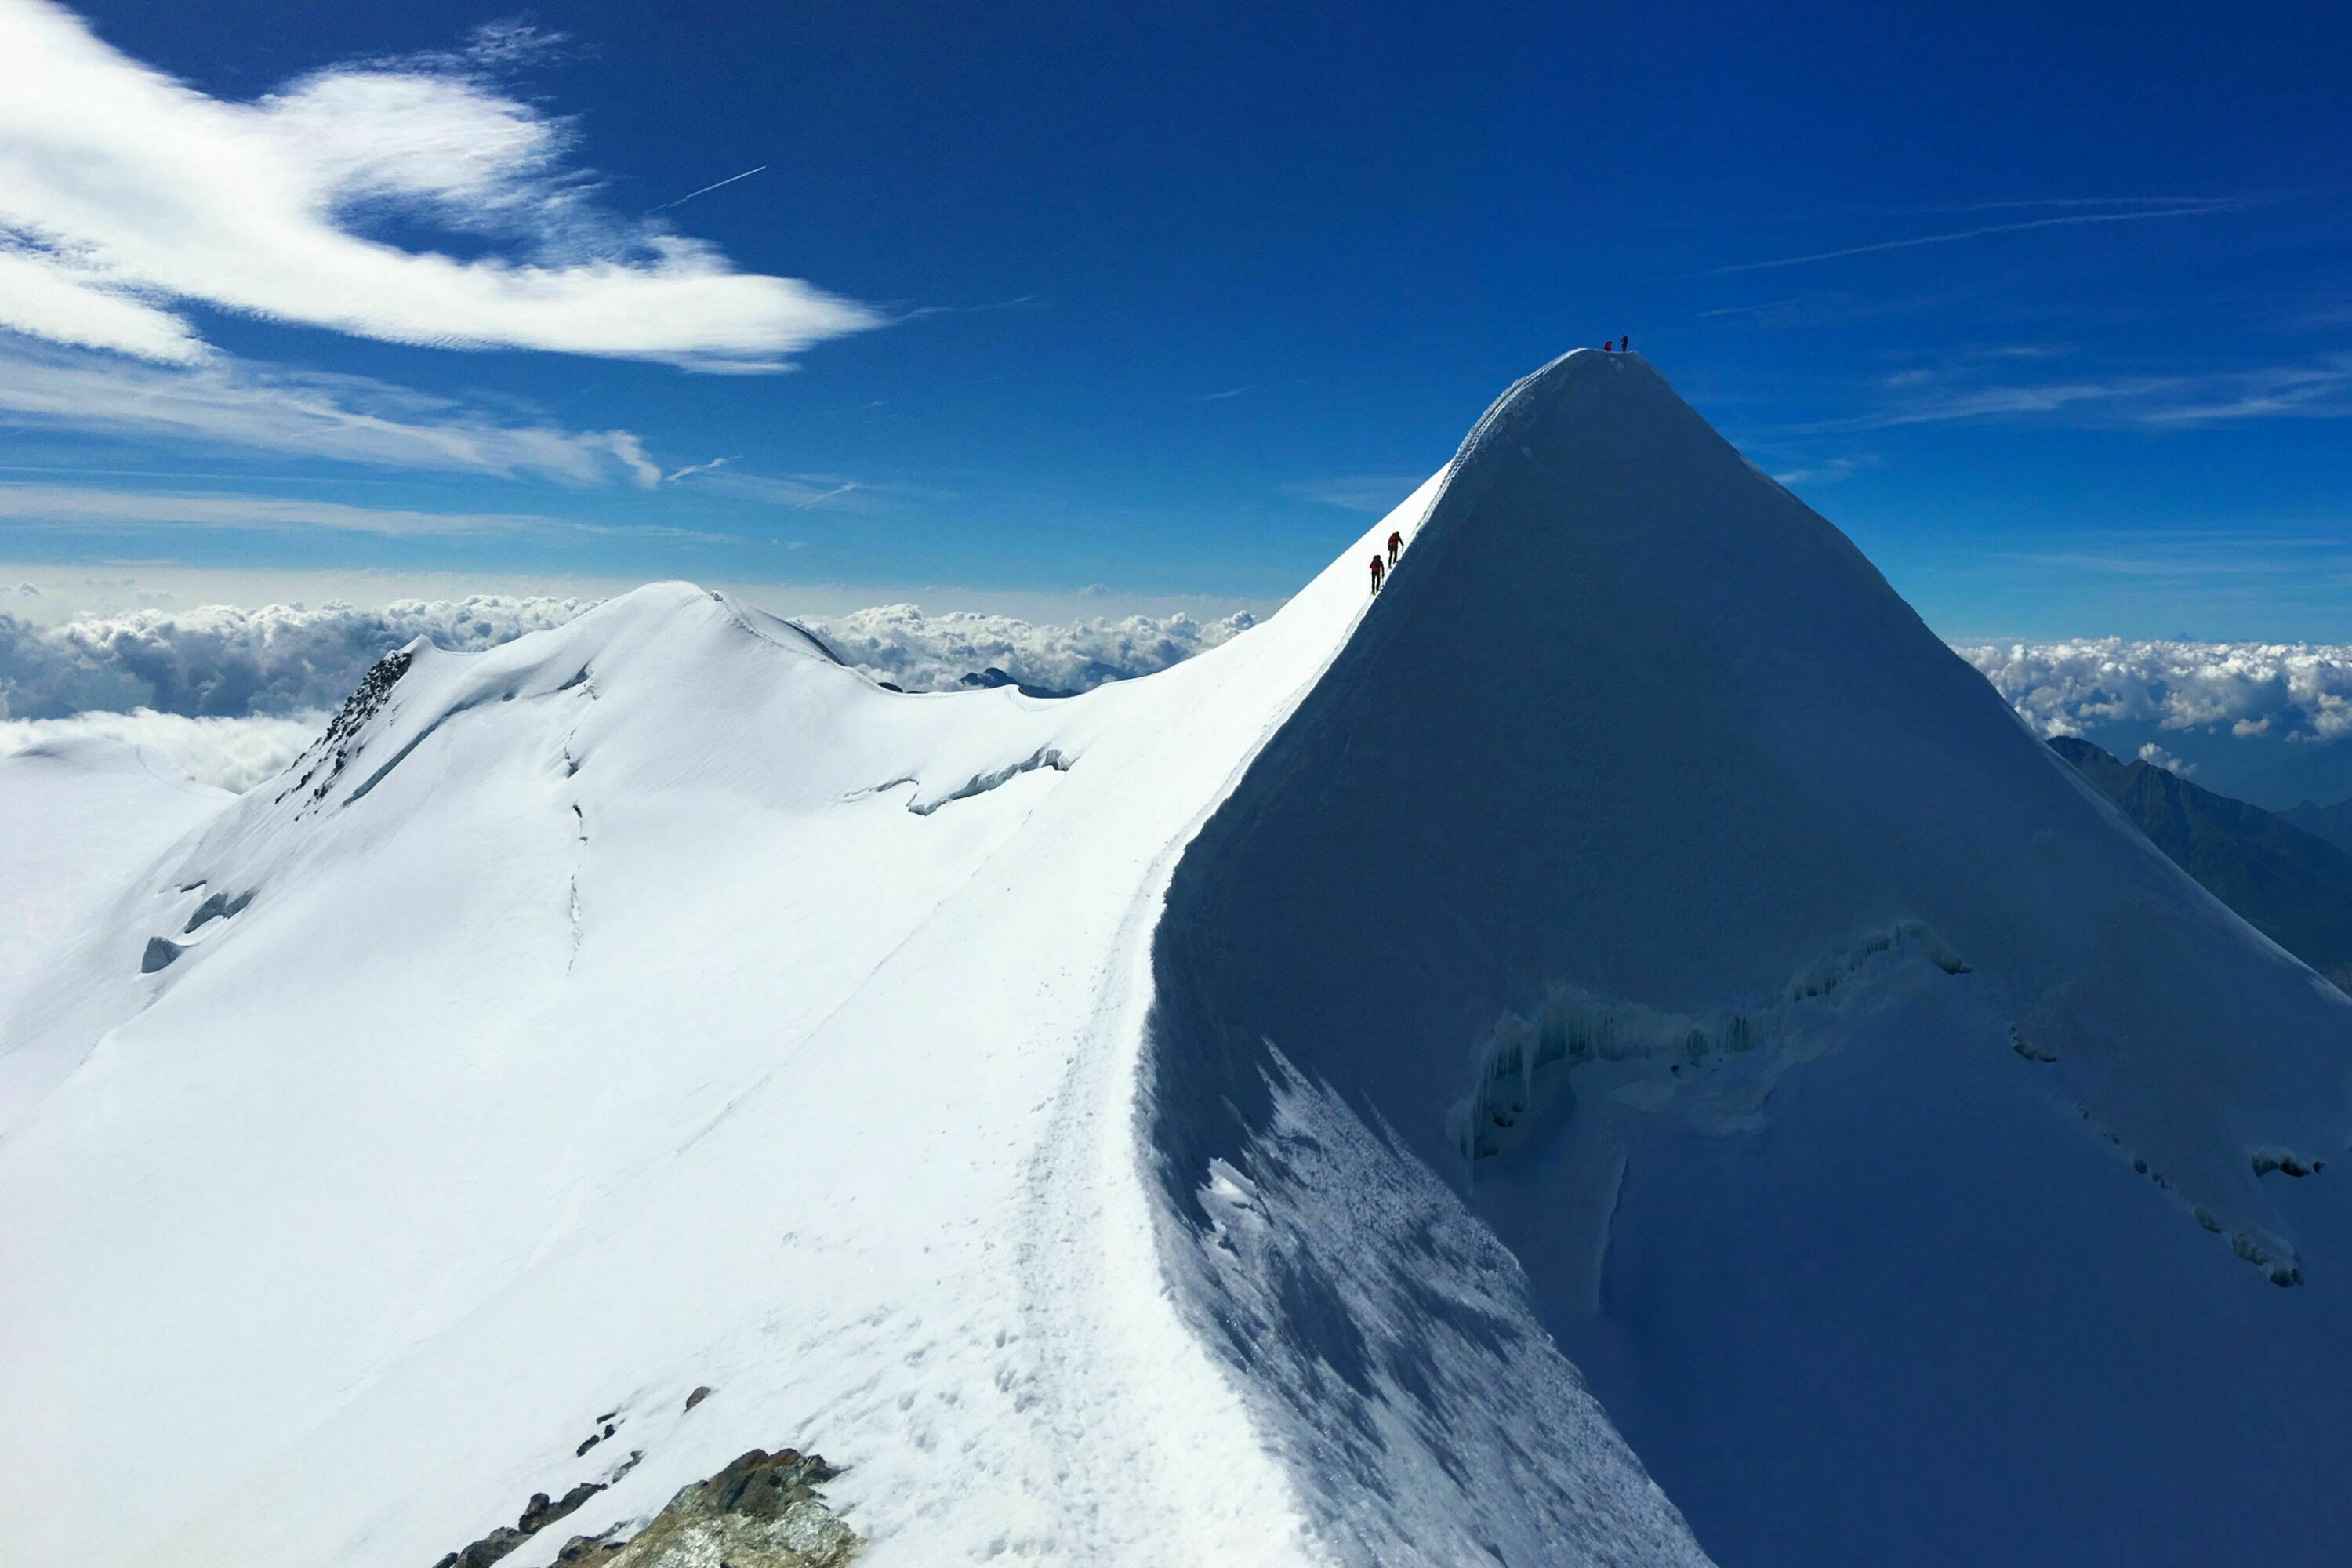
(1396, 547)
(1376, 573)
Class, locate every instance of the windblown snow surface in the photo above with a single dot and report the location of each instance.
(1187, 1122)
(80, 816)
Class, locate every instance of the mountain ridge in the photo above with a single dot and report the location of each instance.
(2294, 887)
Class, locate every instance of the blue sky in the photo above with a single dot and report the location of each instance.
(2050, 307)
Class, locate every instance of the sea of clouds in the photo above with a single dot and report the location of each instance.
(900, 643)
(232, 695)
(2279, 690)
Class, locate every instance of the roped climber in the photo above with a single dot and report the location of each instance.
(1376, 573)
(1396, 547)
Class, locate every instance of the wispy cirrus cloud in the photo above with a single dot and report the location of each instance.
(1827, 471)
(2318, 388)
(2030, 203)
(124, 192)
(344, 419)
(797, 490)
(1357, 493)
(90, 507)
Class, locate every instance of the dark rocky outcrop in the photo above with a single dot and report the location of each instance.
(537, 1515)
(762, 1511)
(991, 677)
(333, 749)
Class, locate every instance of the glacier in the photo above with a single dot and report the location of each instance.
(1316, 1103)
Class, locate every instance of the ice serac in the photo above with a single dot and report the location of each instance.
(1902, 1146)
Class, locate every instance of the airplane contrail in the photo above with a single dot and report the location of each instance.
(704, 192)
(2186, 210)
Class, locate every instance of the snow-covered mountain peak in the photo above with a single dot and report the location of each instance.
(1646, 868)
(1772, 763)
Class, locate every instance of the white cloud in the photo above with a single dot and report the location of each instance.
(227, 754)
(2283, 690)
(122, 192)
(227, 662)
(2152, 752)
(345, 418)
(900, 643)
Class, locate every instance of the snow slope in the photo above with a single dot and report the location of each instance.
(1903, 1147)
(82, 816)
(652, 1003)
(1184, 1123)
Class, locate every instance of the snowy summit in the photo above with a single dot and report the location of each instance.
(1318, 1104)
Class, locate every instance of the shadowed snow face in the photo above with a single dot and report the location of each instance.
(1742, 837)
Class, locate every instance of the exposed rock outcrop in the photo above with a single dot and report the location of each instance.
(762, 1511)
(537, 1515)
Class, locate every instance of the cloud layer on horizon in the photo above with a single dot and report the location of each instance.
(226, 753)
(122, 191)
(221, 662)
(232, 695)
(900, 643)
(279, 670)
(2280, 690)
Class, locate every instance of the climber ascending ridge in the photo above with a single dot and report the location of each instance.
(1396, 547)
(1376, 573)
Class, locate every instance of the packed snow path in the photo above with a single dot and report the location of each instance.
(652, 1003)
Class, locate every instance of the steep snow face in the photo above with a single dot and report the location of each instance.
(652, 1003)
(1894, 1136)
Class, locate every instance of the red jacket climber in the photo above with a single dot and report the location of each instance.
(1396, 547)
(1376, 573)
